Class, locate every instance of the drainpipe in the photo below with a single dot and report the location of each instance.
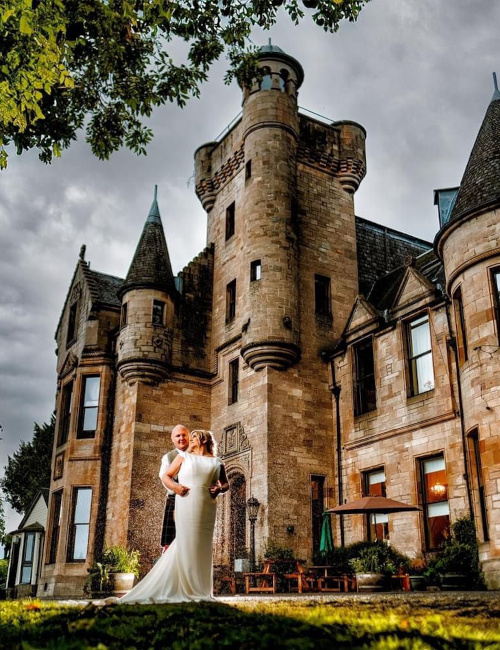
(340, 488)
(453, 345)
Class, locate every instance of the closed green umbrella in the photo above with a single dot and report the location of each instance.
(326, 543)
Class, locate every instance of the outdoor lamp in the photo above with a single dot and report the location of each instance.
(253, 510)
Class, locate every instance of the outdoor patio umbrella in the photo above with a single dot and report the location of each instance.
(372, 505)
(367, 505)
(326, 543)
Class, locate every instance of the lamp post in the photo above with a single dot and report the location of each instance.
(253, 509)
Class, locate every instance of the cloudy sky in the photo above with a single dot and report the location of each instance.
(416, 75)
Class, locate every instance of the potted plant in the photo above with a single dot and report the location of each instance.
(242, 560)
(114, 572)
(369, 569)
(418, 576)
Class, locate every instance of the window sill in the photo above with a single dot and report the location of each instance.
(420, 397)
(366, 416)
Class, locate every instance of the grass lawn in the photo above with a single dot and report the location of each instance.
(378, 623)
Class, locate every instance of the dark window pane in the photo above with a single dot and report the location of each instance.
(55, 524)
(65, 414)
(230, 213)
(322, 295)
(231, 300)
(72, 323)
(233, 381)
(158, 317)
(364, 380)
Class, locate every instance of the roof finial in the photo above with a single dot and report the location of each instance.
(270, 41)
(496, 94)
(154, 212)
(83, 248)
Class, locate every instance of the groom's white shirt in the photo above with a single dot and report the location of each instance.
(166, 461)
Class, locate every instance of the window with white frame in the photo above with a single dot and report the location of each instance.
(421, 371)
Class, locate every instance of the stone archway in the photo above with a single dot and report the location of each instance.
(237, 517)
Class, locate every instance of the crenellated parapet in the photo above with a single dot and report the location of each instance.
(208, 183)
(337, 149)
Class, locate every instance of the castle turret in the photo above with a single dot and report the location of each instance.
(270, 128)
(469, 245)
(146, 327)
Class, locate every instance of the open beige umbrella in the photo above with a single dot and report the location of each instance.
(372, 505)
(366, 505)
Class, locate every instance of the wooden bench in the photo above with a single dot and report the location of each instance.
(261, 581)
(304, 581)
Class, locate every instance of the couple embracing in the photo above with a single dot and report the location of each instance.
(184, 571)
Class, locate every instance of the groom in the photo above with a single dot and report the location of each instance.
(180, 438)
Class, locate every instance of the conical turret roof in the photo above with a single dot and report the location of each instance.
(480, 186)
(151, 266)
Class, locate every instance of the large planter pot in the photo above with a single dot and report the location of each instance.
(122, 583)
(454, 582)
(418, 583)
(370, 581)
(241, 565)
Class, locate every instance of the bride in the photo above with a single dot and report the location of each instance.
(184, 571)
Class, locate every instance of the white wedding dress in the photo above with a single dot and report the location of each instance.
(184, 572)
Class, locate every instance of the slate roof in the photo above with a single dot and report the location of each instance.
(151, 267)
(105, 288)
(381, 250)
(480, 186)
(385, 289)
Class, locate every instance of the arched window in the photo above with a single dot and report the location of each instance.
(266, 83)
(284, 74)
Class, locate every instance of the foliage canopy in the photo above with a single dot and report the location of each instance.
(105, 64)
(28, 469)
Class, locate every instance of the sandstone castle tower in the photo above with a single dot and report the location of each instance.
(290, 336)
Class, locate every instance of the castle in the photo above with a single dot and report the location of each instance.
(332, 357)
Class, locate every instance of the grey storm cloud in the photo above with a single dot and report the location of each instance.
(416, 75)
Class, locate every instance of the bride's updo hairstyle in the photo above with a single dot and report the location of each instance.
(207, 439)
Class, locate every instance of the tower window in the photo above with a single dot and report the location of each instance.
(90, 406)
(230, 211)
(71, 335)
(322, 295)
(420, 356)
(365, 396)
(124, 315)
(231, 300)
(460, 326)
(434, 492)
(255, 270)
(495, 276)
(248, 169)
(80, 524)
(233, 381)
(158, 316)
(65, 413)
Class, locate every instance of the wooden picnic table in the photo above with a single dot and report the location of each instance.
(328, 581)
